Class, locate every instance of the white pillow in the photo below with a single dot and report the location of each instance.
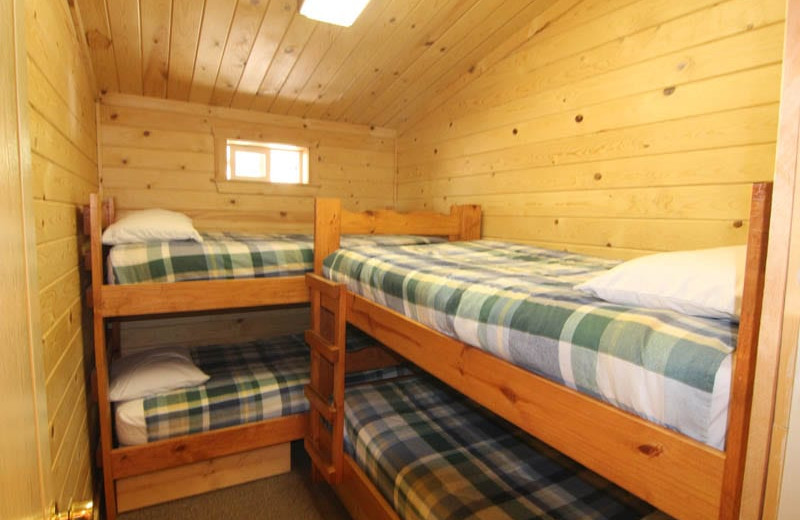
(150, 225)
(706, 282)
(158, 370)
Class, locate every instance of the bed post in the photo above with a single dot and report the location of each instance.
(327, 229)
(746, 350)
(469, 222)
(96, 214)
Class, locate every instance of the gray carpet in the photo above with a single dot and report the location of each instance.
(291, 496)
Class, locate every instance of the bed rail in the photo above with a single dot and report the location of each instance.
(331, 220)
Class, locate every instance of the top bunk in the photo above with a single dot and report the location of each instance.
(209, 271)
(461, 332)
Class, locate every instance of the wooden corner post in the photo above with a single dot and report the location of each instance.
(327, 229)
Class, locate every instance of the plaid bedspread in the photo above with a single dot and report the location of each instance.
(249, 382)
(229, 255)
(433, 454)
(517, 302)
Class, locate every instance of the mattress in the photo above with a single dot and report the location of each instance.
(434, 454)
(249, 382)
(517, 302)
(229, 255)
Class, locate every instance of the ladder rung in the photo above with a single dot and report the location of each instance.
(322, 346)
(326, 468)
(320, 404)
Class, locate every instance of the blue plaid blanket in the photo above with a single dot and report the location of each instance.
(229, 255)
(518, 303)
(249, 382)
(435, 455)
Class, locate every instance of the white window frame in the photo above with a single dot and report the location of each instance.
(266, 149)
(226, 180)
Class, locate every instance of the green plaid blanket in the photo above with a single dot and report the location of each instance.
(518, 303)
(229, 255)
(249, 382)
(433, 454)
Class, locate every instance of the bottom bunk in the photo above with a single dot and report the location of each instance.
(417, 449)
(190, 421)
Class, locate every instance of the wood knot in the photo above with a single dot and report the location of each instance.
(579, 118)
(515, 131)
(598, 176)
(651, 450)
(669, 91)
(737, 224)
(146, 133)
(509, 393)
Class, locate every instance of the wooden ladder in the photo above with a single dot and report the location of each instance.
(324, 441)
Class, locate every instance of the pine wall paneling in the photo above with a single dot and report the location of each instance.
(158, 153)
(62, 122)
(613, 128)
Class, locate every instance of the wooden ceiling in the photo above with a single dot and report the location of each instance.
(395, 63)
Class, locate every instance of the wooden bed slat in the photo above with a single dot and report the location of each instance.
(158, 298)
(137, 460)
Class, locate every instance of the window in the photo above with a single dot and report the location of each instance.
(266, 162)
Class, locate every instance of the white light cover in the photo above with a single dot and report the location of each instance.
(337, 12)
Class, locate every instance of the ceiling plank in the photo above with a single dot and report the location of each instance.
(466, 22)
(363, 58)
(313, 53)
(98, 38)
(428, 78)
(213, 36)
(184, 36)
(346, 42)
(285, 58)
(126, 38)
(246, 22)
(273, 27)
(156, 18)
(426, 25)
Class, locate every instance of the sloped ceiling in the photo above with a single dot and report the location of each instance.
(395, 63)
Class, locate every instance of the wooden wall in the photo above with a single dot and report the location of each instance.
(158, 153)
(613, 127)
(63, 135)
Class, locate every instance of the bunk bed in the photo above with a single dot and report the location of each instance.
(678, 474)
(199, 460)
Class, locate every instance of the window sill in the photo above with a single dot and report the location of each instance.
(267, 188)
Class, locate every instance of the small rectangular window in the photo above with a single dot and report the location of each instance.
(266, 162)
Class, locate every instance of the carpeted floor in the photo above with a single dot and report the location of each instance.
(291, 496)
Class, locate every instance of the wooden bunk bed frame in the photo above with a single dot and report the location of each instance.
(133, 476)
(678, 475)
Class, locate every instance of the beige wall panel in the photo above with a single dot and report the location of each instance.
(63, 403)
(54, 183)
(78, 128)
(160, 154)
(56, 258)
(48, 142)
(731, 165)
(741, 52)
(64, 166)
(65, 329)
(649, 234)
(635, 127)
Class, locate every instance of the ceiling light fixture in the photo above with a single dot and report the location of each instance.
(337, 12)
